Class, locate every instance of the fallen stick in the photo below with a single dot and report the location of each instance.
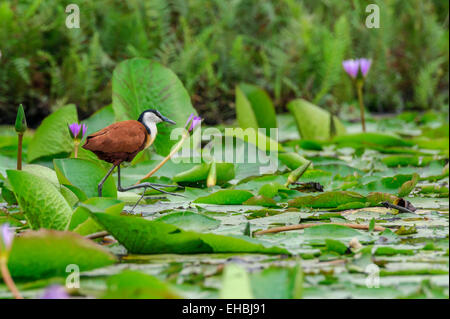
(303, 226)
(97, 235)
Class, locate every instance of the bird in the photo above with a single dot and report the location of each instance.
(122, 141)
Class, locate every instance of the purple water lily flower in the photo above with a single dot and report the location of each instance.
(84, 129)
(7, 236)
(351, 67)
(55, 292)
(194, 122)
(75, 129)
(189, 120)
(364, 66)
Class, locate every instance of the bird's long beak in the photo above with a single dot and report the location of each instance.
(165, 119)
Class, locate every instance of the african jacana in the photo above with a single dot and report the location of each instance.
(122, 141)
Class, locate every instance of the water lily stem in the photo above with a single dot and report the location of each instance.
(8, 279)
(359, 90)
(168, 157)
(19, 151)
(75, 150)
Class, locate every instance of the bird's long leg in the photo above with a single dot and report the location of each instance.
(100, 185)
(164, 185)
(143, 185)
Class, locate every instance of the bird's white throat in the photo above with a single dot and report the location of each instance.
(150, 120)
(152, 135)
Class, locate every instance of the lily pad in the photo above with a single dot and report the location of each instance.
(318, 235)
(136, 285)
(42, 204)
(141, 236)
(43, 254)
(327, 199)
(225, 197)
(190, 221)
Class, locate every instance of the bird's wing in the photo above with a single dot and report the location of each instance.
(126, 136)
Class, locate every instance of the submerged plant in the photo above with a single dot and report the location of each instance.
(6, 240)
(357, 70)
(20, 127)
(75, 129)
(191, 124)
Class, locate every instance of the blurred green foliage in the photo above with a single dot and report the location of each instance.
(292, 49)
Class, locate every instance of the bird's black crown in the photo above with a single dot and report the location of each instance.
(156, 112)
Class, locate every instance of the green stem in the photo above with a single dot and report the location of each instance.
(75, 151)
(168, 157)
(359, 89)
(19, 151)
(8, 279)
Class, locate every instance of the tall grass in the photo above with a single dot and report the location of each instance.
(290, 48)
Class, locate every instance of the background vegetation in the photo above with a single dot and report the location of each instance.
(290, 48)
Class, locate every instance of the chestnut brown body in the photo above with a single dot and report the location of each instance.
(118, 142)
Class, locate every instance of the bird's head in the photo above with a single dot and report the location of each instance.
(152, 117)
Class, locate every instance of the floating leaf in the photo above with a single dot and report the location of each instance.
(335, 246)
(141, 236)
(405, 160)
(371, 139)
(235, 283)
(391, 251)
(403, 230)
(225, 197)
(260, 200)
(276, 283)
(42, 204)
(190, 221)
(42, 254)
(319, 234)
(270, 190)
(327, 199)
(136, 285)
(375, 198)
(81, 221)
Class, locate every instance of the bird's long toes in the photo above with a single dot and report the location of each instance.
(164, 185)
(175, 194)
